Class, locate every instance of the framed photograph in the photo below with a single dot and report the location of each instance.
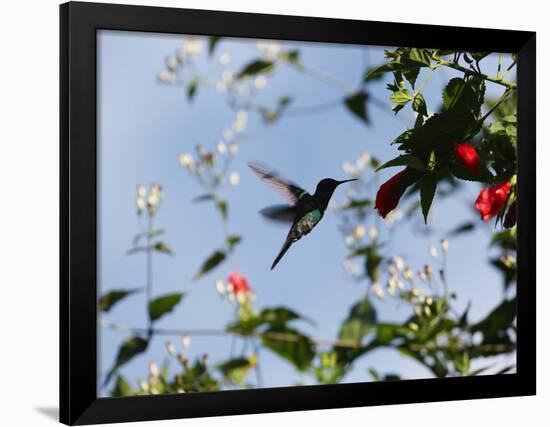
(393, 263)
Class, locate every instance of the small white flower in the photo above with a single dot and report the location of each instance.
(351, 268)
(171, 63)
(141, 190)
(192, 46)
(260, 82)
(185, 341)
(225, 58)
(363, 160)
(372, 232)
(358, 232)
(270, 49)
(227, 77)
(186, 159)
(444, 244)
(233, 148)
(422, 275)
(144, 385)
(221, 147)
(220, 287)
(349, 240)
(220, 87)
(428, 271)
(167, 76)
(234, 178)
(153, 370)
(349, 169)
(398, 262)
(351, 192)
(408, 274)
(171, 348)
(433, 251)
(377, 290)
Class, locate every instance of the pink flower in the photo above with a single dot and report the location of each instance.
(492, 199)
(239, 284)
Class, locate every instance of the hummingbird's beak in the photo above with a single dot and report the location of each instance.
(347, 180)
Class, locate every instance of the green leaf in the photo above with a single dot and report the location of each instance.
(222, 207)
(279, 316)
(361, 320)
(162, 247)
(451, 92)
(498, 321)
(292, 56)
(358, 204)
(428, 185)
(291, 345)
(235, 369)
(356, 103)
(108, 300)
(192, 89)
(122, 388)
(404, 160)
(419, 105)
(233, 240)
(212, 262)
(256, 67)
(127, 351)
(163, 305)
(212, 43)
(401, 97)
(421, 56)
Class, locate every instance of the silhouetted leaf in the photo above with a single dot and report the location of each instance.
(278, 316)
(291, 345)
(128, 350)
(428, 185)
(222, 207)
(213, 261)
(419, 105)
(163, 305)
(292, 56)
(498, 321)
(135, 250)
(203, 198)
(233, 240)
(405, 160)
(108, 300)
(361, 319)
(462, 228)
(162, 247)
(256, 67)
(212, 43)
(356, 103)
(192, 89)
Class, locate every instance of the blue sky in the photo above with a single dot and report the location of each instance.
(143, 126)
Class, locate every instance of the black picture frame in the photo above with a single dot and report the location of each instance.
(79, 403)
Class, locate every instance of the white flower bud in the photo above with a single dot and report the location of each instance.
(260, 82)
(398, 262)
(220, 287)
(372, 232)
(153, 370)
(171, 348)
(172, 63)
(233, 148)
(222, 148)
(186, 159)
(433, 251)
(185, 341)
(225, 58)
(444, 244)
(408, 274)
(234, 178)
(377, 290)
(359, 232)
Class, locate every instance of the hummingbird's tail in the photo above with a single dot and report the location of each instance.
(283, 250)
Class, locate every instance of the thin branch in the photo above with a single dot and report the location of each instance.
(276, 336)
(468, 71)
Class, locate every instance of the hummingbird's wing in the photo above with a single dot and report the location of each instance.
(280, 213)
(288, 189)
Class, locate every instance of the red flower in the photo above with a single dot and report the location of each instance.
(389, 194)
(467, 157)
(492, 199)
(239, 284)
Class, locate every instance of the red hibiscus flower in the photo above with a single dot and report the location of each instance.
(239, 284)
(492, 199)
(389, 194)
(467, 157)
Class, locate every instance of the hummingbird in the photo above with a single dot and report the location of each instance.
(305, 210)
